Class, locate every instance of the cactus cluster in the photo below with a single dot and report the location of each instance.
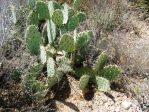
(101, 74)
(58, 43)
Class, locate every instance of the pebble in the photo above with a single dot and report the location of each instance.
(126, 104)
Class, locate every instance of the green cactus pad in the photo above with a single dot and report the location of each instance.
(103, 84)
(73, 23)
(100, 62)
(64, 64)
(43, 54)
(50, 67)
(52, 81)
(83, 83)
(42, 10)
(55, 79)
(67, 43)
(33, 39)
(38, 86)
(36, 70)
(111, 72)
(81, 16)
(83, 39)
(57, 17)
(76, 4)
(53, 5)
(51, 30)
(84, 70)
(32, 18)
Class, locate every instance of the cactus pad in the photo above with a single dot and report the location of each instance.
(64, 64)
(50, 67)
(100, 62)
(42, 10)
(83, 83)
(103, 84)
(81, 16)
(84, 70)
(111, 72)
(55, 79)
(53, 5)
(32, 18)
(65, 13)
(57, 17)
(67, 43)
(38, 86)
(73, 23)
(51, 30)
(43, 55)
(52, 81)
(36, 70)
(33, 39)
(83, 39)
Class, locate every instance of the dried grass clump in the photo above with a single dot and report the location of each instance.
(9, 15)
(106, 13)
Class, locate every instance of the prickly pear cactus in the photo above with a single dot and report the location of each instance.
(51, 31)
(60, 51)
(102, 84)
(32, 18)
(65, 13)
(36, 70)
(73, 23)
(67, 43)
(55, 79)
(42, 10)
(101, 61)
(51, 67)
(111, 72)
(83, 83)
(43, 54)
(81, 16)
(33, 39)
(83, 39)
(38, 86)
(53, 5)
(57, 17)
(64, 64)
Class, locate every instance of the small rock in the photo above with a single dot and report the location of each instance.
(126, 104)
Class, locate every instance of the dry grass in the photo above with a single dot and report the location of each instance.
(9, 14)
(106, 13)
